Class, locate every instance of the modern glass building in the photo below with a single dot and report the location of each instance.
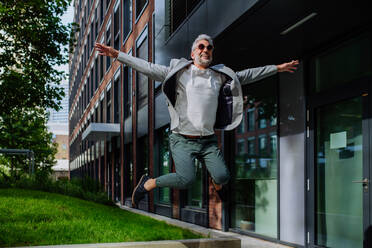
(61, 116)
(300, 159)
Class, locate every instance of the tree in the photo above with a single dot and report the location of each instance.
(32, 38)
(26, 129)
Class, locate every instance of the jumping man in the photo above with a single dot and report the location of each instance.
(200, 99)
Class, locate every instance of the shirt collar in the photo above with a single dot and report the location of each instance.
(196, 71)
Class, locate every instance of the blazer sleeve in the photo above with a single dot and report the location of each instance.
(153, 71)
(254, 74)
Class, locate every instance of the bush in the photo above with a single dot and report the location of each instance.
(85, 188)
(4, 181)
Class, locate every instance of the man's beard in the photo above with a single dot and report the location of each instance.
(204, 62)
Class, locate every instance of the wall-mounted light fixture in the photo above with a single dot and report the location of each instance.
(299, 23)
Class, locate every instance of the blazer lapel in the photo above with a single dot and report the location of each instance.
(180, 65)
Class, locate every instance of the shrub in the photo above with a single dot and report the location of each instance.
(85, 188)
(4, 181)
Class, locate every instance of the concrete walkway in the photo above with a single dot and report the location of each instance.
(246, 241)
(192, 243)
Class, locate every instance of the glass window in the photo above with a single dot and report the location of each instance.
(101, 11)
(108, 4)
(262, 144)
(108, 105)
(117, 26)
(177, 11)
(127, 92)
(142, 100)
(140, 4)
(91, 37)
(83, 96)
(340, 65)
(128, 168)
(254, 176)
(101, 67)
(273, 121)
(142, 80)
(251, 145)
(91, 83)
(143, 156)
(102, 148)
(101, 111)
(164, 164)
(240, 128)
(240, 146)
(261, 122)
(273, 144)
(251, 119)
(96, 25)
(96, 149)
(117, 99)
(96, 115)
(108, 43)
(88, 46)
(251, 159)
(86, 93)
(127, 18)
(240, 158)
(96, 74)
(88, 90)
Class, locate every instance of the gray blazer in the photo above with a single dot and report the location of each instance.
(230, 99)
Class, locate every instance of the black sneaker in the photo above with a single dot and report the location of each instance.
(139, 191)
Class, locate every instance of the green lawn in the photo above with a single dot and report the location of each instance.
(30, 217)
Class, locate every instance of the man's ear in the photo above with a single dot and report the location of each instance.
(192, 55)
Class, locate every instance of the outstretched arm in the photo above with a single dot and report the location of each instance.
(254, 74)
(289, 66)
(153, 71)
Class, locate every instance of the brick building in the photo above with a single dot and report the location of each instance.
(303, 147)
(61, 138)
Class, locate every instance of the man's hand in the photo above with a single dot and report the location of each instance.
(106, 50)
(290, 66)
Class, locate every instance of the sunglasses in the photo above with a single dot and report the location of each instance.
(202, 46)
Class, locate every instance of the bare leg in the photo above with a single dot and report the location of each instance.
(217, 186)
(150, 184)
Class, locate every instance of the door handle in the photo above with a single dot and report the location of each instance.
(365, 183)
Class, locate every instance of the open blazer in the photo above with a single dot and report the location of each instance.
(230, 100)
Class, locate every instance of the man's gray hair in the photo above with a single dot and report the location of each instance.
(199, 38)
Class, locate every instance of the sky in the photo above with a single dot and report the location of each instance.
(67, 18)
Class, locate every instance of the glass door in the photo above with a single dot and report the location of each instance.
(340, 182)
(338, 148)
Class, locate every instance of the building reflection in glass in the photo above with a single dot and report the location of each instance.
(254, 182)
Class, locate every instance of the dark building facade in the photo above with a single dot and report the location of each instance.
(300, 159)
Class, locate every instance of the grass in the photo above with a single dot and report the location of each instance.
(29, 217)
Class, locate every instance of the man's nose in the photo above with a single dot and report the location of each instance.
(205, 48)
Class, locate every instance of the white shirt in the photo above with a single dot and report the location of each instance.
(197, 99)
